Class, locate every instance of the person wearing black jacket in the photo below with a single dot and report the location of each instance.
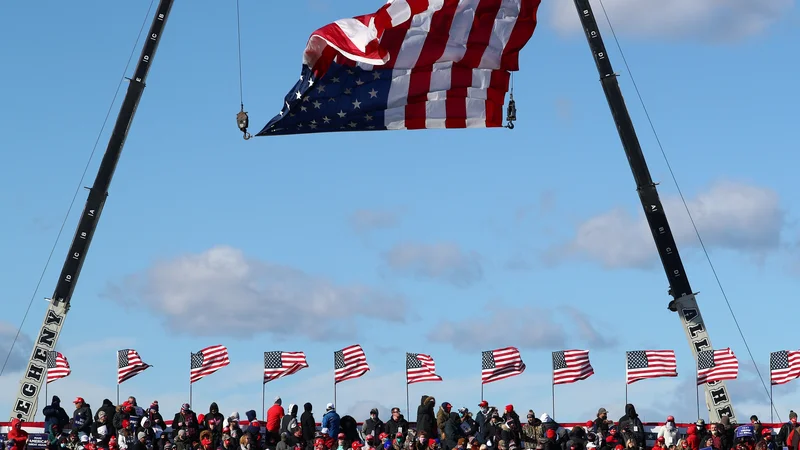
(373, 426)
(396, 424)
(55, 414)
(452, 432)
(426, 418)
(631, 426)
(309, 425)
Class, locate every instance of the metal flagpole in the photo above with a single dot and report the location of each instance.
(697, 387)
(408, 404)
(771, 404)
(263, 401)
(553, 387)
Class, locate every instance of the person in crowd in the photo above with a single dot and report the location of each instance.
(441, 418)
(601, 423)
(373, 426)
(136, 412)
(289, 420)
(109, 409)
(141, 442)
(102, 429)
(783, 433)
(331, 420)
(17, 437)
(668, 431)
(396, 424)
(155, 417)
(481, 420)
(349, 427)
(631, 426)
(531, 431)
(54, 413)
(426, 418)
(274, 415)
(82, 417)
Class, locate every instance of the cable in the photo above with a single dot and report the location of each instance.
(239, 38)
(686, 206)
(77, 190)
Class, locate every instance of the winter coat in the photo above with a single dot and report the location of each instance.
(349, 427)
(55, 414)
(82, 419)
(441, 418)
(373, 427)
(108, 408)
(393, 427)
(692, 439)
(307, 423)
(274, 415)
(531, 432)
(426, 419)
(186, 421)
(19, 436)
(213, 413)
(102, 432)
(331, 421)
(452, 431)
(630, 423)
(481, 420)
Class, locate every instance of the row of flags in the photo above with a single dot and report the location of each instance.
(569, 366)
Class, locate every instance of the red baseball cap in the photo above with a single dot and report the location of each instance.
(79, 400)
(483, 404)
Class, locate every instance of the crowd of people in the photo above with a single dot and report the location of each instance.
(131, 427)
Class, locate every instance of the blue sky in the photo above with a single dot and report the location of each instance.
(440, 242)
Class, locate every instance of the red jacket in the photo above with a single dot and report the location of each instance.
(692, 439)
(19, 436)
(274, 415)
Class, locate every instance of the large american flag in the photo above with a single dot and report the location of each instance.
(281, 364)
(348, 363)
(500, 364)
(420, 367)
(716, 365)
(412, 64)
(644, 364)
(207, 361)
(129, 364)
(570, 366)
(784, 366)
(57, 366)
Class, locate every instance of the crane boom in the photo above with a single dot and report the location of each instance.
(684, 303)
(25, 404)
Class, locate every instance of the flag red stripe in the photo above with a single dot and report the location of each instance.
(782, 376)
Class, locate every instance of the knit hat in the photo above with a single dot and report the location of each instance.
(185, 407)
(792, 415)
(141, 435)
(154, 406)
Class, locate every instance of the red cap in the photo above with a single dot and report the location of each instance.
(589, 423)
(383, 436)
(399, 435)
(483, 404)
(670, 419)
(79, 400)
(341, 436)
(509, 408)
(357, 444)
(661, 439)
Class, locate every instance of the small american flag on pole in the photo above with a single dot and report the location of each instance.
(207, 361)
(413, 64)
(420, 367)
(281, 364)
(57, 366)
(129, 364)
(570, 366)
(644, 364)
(500, 364)
(348, 363)
(716, 365)
(784, 366)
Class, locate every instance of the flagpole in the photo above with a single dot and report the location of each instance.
(263, 401)
(553, 387)
(408, 407)
(697, 386)
(771, 404)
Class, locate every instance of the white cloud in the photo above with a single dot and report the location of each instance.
(222, 292)
(525, 327)
(442, 261)
(729, 215)
(366, 220)
(18, 356)
(716, 20)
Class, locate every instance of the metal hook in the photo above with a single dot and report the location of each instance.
(243, 121)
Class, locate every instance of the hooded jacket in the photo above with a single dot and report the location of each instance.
(55, 414)
(307, 423)
(82, 419)
(331, 421)
(17, 434)
(289, 421)
(213, 413)
(631, 426)
(396, 426)
(442, 416)
(426, 418)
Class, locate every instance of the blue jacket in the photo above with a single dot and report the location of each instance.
(331, 421)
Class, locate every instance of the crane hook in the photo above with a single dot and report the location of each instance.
(243, 122)
(511, 112)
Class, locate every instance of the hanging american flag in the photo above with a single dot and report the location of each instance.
(57, 366)
(500, 364)
(570, 366)
(129, 364)
(281, 364)
(784, 366)
(207, 361)
(348, 363)
(419, 368)
(644, 364)
(413, 64)
(716, 365)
